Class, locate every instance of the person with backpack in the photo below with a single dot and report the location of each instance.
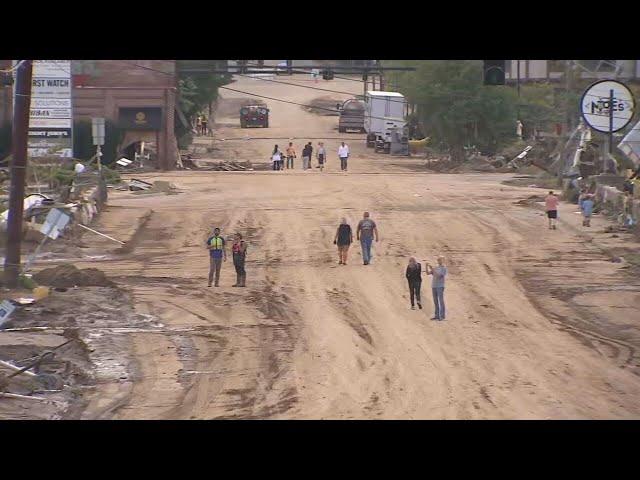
(239, 250)
(343, 239)
(414, 277)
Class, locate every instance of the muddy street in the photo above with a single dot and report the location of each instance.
(540, 323)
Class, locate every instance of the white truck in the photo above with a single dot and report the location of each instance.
(379, 108)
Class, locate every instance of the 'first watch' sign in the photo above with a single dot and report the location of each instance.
(143, 118)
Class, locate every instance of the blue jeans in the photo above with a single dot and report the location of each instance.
(438, 302)
(365, 243)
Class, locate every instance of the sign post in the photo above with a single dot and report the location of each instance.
(607, 106)
(97, 131)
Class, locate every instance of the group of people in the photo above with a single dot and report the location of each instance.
(278, 157)
(366, 232)
(202, 125)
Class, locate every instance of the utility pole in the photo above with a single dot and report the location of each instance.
(18, 167)
(568, 75)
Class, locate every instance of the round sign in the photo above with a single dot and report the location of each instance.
(597, 112)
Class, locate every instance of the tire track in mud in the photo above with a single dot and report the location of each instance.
(582, 324)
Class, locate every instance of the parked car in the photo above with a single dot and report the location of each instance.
(254, 116)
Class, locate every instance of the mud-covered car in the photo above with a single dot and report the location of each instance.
(254, 116)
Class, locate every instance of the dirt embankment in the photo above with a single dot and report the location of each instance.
(325, 106)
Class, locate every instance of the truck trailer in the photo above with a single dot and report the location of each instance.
(379, 108)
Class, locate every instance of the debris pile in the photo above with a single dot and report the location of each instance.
(159, 186)
(67, 275)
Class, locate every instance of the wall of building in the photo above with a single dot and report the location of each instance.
(102, 87)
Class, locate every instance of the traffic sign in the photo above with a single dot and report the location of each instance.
(97, 130)
(607, 106)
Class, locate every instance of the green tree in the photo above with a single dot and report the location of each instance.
(197, 90)
(454, 106)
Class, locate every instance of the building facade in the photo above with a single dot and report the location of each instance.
(138, 95)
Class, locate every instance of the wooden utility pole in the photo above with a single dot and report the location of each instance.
(18, 171)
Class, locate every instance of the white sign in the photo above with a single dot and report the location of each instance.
(50, 113)
(6, 309)
(51, 103)
(52, 68)
(51, 109)
(54, 223)
(598, 108)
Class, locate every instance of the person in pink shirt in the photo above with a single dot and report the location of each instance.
(551, 207)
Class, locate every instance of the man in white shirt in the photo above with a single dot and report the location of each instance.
(343, 153)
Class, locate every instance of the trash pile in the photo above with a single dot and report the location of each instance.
(138, 186)
(69, 276)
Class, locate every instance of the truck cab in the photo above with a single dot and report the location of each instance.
(254, 116)
(351, 116)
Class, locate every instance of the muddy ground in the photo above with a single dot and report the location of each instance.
(541, 323)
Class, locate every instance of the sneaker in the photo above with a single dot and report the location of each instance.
(434, 318)
(412, 307)
(419, 305)
(209, 285)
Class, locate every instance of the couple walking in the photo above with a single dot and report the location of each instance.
(366, 231)
(414, 277)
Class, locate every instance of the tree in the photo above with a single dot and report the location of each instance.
(456, 109)
(197, 90)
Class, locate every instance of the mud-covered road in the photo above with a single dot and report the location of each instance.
(540, 324)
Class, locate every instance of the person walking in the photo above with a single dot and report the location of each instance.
(310, 145)
(365, 233)
(343, 239)
(218, 252)
(239, 251)
(343, 153)
(276, 156)
(321, 154)
(586, 206)
(306, 156)
(551, 207)
(291, 154)
(437, 288)
(414, 277)
(204, 124)
(198, 125)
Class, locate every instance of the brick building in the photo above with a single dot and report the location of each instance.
(139, 95)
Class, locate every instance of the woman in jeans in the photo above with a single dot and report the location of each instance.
(239, 249)
(413, 274)
(437, 288)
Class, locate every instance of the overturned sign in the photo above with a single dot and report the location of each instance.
(55, 222)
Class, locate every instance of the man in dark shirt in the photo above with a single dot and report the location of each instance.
(414, 277)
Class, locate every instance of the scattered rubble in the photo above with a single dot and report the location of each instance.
(67, 275)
